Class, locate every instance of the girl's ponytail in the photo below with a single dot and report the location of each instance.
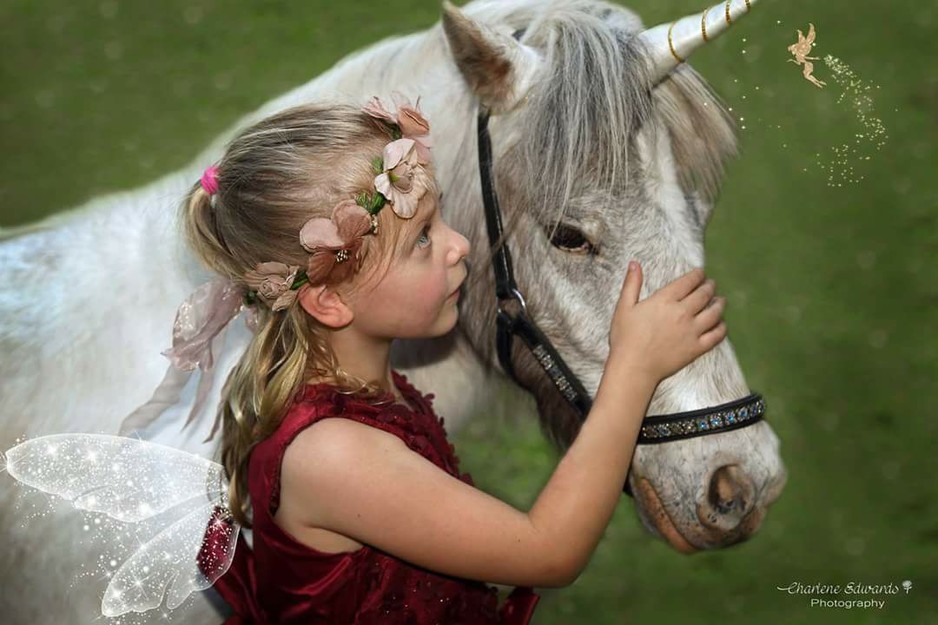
(201, 231)
(258, 391)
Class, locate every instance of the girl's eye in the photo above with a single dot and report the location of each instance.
(424, 239)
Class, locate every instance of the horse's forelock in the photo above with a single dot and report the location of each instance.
(580, 118)
(594, 95)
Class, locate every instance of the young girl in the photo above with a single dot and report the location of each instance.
(328, 218)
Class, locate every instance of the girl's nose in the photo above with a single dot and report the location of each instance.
(460, 247)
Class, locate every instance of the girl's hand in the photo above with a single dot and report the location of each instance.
(670, 329)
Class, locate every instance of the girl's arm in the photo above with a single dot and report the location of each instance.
(366, 484)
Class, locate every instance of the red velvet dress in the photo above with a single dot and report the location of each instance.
(285, 582)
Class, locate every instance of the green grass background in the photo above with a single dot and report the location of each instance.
(832, 290)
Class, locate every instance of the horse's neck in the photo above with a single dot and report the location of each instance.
(414, 65)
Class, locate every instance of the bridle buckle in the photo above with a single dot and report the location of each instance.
(511, 307)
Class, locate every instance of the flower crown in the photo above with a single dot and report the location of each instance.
(334, 244)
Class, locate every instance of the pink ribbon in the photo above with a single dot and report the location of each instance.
(199, 320)
(199, 325)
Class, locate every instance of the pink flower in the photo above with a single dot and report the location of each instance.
(409, 119)
(376, 109)
(412, 123)
(403, 181)
(333, 242)
(414, 126)
(273, 283)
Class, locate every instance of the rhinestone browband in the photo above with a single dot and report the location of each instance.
(735, 414)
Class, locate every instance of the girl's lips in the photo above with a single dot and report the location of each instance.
(456, 292)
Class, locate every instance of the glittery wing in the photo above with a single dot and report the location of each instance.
(811, 34)
(168, 504)
(169, 564)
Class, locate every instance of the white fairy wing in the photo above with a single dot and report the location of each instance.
(169, 564)
(125, 478)
(173, 502)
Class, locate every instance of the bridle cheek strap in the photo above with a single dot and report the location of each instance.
(512, 320)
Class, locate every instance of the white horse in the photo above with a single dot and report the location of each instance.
(606, 148)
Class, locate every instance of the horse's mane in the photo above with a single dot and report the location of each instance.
(581, 116)
(703, 135)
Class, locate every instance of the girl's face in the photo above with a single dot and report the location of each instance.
(417, 296)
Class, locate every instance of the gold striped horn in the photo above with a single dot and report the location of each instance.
(670, 44)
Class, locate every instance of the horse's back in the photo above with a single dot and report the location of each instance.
(78, 294)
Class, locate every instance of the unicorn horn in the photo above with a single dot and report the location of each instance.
(670, 44)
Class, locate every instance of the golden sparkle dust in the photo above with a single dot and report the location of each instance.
(800, 50)
(870, 134)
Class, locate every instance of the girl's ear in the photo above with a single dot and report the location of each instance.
(325, 305)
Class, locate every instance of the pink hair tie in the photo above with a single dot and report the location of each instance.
(210, 180)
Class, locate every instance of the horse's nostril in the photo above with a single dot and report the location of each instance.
(725, 492)
(729, 498)
(730, 490)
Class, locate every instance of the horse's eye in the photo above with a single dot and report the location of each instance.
(569, 239)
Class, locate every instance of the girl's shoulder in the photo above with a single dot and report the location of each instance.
(320, 400)
(414, 420)
(326, 395)
(415, 424)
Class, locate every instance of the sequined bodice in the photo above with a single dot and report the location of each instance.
(285, 582)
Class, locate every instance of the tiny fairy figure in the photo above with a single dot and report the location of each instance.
(800, 51)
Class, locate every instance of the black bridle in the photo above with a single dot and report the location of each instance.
(512, 320)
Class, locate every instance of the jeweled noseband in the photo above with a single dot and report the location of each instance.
(512, 320)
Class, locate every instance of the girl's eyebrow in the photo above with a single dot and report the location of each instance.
(418, 225)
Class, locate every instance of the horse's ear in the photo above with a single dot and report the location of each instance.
(499, 69)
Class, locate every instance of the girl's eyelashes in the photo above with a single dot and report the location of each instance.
(424, 239)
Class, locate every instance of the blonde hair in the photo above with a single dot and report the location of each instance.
(275, 176)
